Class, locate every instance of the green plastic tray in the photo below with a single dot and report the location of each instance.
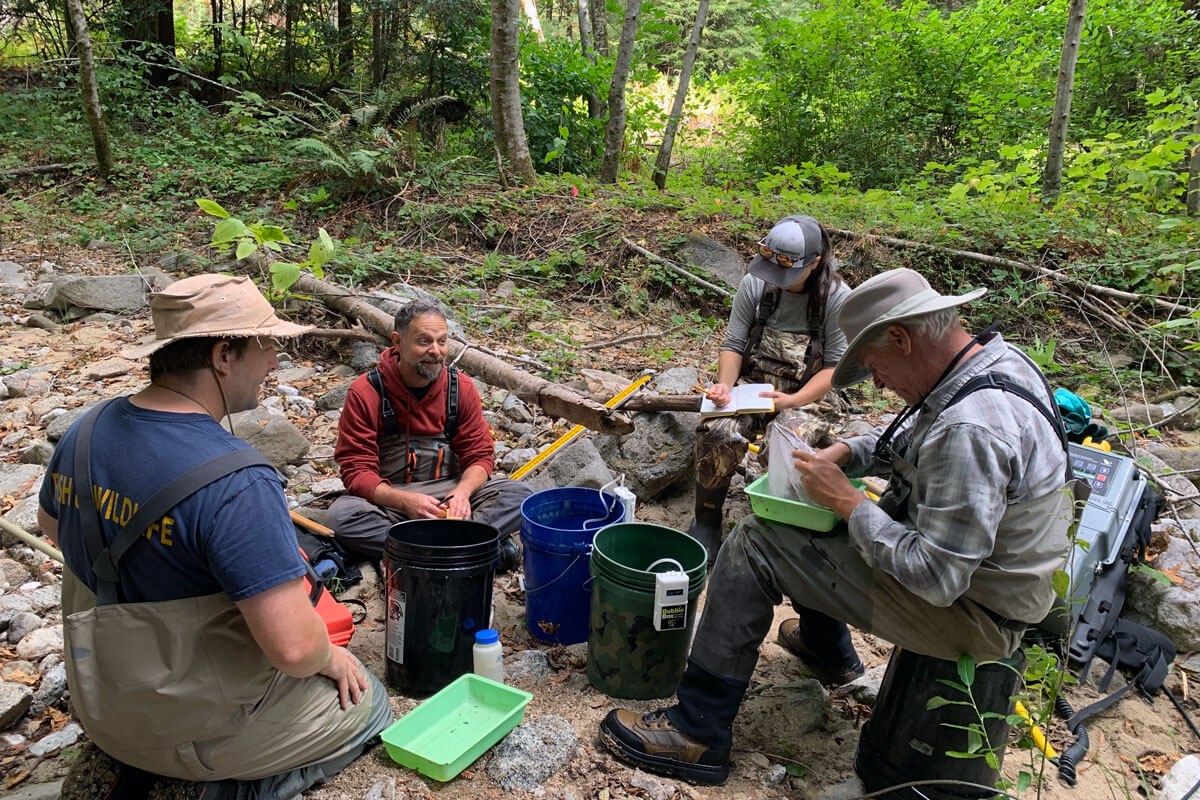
(442, 736)
(791, 512)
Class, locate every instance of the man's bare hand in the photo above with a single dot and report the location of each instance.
(825, 482)
(457, 506)
(343, 670)
(420, 506)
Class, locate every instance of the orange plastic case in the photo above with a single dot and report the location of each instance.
(337, 618)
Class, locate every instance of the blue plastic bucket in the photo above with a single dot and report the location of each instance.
(557, 526)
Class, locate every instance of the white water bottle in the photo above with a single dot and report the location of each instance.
(488, 655)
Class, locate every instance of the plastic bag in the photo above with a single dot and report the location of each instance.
(783, 479)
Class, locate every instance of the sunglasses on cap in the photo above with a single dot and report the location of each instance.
(782, 259)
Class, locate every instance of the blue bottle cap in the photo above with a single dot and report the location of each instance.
(486, 636)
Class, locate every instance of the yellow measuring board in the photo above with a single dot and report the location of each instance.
(570, 435)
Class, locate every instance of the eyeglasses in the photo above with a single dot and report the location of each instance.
(782, 259)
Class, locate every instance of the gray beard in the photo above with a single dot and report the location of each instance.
(429, 371)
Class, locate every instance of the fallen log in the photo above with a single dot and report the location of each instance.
(40, 169)
(663, 402)
(678, 270)
(555, 400)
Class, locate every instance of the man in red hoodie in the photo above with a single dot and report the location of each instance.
(413, 444)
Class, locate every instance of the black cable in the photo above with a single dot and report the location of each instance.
(1078, 749)
(1186, 717)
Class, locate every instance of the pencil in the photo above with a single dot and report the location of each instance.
(702, 391)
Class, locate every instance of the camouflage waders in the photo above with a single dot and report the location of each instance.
(722, 442)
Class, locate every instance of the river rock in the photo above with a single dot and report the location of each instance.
(656, 456)
(19, 479)
(21, 625)
(37, 453)
(101, 292)
(58, 426)
(56, 741)
(1181, 779)
(577, 464)
(677, 380)
(1173, 610)
(1182, 459)
(43, 598)
(653, 788)
(23, 515)
(532, 753)
(50, 690)
(528, 666)
(15, 699)
(714, 258)
(109, 368)
(41, 642)
(272, 434)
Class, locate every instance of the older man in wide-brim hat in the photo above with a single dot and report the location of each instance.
(955, 559)
(193, 651)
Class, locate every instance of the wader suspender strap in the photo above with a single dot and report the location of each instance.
(105, 564)
(392, 428)
(767, 303)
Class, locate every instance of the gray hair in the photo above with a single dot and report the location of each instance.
(416, 308)
(933, 325)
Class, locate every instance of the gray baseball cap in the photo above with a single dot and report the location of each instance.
(798, 238)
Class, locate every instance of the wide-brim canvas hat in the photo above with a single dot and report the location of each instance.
(795, 236)
(211, 305)
(881, 300)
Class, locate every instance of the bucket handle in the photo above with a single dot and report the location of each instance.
(678, 566)
(581, 551)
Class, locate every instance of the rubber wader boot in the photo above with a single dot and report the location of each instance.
(707, 524)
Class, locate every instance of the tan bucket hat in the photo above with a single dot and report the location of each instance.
(211, 305)
(879, 301)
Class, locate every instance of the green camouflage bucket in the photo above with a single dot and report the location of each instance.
(627, 657)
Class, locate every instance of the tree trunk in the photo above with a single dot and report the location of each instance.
(87, 85)
(555, 400)
(595, 109)
(663, 162)
(599, 26)
(217, 9)
(1052, 178)
(529, 7)
(1193, 195)
(70, 29)
(614, 131)
(290, 12)
(377, 70)
(149, 32)
(505, 90)
(345, 36)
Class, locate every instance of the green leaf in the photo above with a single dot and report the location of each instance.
(322, 250)
(245, 247)
(1024, 781)
(974, 741)
(1061, 582)
(283, 275)
(212, 207)
(966, 670)
(270, 233)
(938, 702)
(227, 230)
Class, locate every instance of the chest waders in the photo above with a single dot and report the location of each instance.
(180, 687)
(784, 360)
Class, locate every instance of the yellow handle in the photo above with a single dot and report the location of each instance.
(1101, 445)
(1039, 738)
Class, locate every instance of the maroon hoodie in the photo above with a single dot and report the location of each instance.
(361, 423)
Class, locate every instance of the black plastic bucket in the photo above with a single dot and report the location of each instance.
(439, 592)
(906, 741)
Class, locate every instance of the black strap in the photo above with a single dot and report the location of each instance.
(768, 301)
(451, 425)
(390, 425)
(107, 560)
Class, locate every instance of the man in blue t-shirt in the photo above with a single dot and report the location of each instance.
(212, 665)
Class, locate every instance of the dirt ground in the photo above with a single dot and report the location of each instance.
(1133, 744)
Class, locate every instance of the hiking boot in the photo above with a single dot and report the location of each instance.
(510, 554)
(651, 742)
(830, 669)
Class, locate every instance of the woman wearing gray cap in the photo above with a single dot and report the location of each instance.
(782, 331)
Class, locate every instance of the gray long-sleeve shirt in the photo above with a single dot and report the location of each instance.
(791, 316)
(976, 461)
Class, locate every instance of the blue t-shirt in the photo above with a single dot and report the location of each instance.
(233, 536)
